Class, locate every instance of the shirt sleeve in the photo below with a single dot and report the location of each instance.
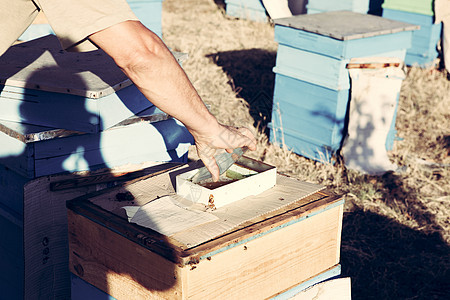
(15, 17)
(75, 20)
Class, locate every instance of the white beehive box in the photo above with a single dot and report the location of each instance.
(255, 178)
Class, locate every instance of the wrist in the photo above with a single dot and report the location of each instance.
(205, 128)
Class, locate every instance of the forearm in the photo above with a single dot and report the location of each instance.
(165, 84)
(157, 74)
(149, 64)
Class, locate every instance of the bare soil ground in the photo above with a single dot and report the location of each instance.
(396, 227)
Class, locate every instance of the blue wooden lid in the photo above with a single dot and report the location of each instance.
(42, 64)
(345, 25)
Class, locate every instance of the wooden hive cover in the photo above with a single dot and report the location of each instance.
(42, 64)
(345, 25)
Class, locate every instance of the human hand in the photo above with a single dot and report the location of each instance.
(221, 137)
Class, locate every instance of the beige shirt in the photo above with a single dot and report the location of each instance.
(72, 20)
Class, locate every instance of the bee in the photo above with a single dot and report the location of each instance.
(211, 202)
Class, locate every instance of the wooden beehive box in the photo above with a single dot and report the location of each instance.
(319, 6)
(316, 48)
(312, 84)
(425, 41)
(42, 85)
(291, 233)
(30, 152)
(424, 7)
(246, 9)
(34, 151)
(316, 113)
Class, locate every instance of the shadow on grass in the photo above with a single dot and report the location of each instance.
(386, 260)
(251, 77)
(394, 190)
(444, 141)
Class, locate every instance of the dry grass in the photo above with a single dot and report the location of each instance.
(396, 231)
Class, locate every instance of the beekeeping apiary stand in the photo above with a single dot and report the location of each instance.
(257, 247)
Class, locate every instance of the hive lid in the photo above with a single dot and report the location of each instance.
(42, 64)
(345, 25)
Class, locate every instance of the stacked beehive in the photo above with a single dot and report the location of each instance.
(318, 6)
(423, 51)
(312, 84)
(65, 112)
(283, 247)
(246, 9)
(149, 13)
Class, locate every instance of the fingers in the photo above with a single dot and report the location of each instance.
(233, 138)
(251, 142)
(214, 170)
(206, 154)
(229, 138)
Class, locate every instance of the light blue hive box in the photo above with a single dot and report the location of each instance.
(423, 51)
(319, 6)
(252, 10)
(62, 113)
(43, 85)
(312, 84)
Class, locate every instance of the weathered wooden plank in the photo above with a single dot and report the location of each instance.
(117, 266)
(45, 231)
(264, 266)
(260, 226)
(28, 133)
(326, 45)
(345, 25)
(41, 64)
